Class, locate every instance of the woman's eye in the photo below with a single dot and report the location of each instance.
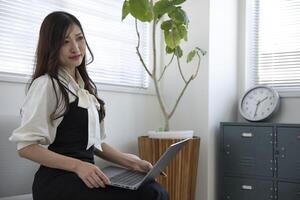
(80, 38)
(67, 41)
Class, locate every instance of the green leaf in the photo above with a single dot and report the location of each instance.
(172, 37)
(168, 39)
(203, 52)
(179, 16)
(169, 50)
(183, 32)
(190, 56)
(125, 9)
(178, 52)
(177, 2)
(163, 6)
(166, 25)
(141, 10)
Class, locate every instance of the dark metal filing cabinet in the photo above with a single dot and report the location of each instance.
(259, 161)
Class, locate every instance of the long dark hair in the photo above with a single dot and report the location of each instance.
(51, 38)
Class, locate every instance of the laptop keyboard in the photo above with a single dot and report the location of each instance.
(128, 178)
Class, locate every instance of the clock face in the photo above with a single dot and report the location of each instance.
(259, 103)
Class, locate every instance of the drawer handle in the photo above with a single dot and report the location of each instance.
(247, 187)
(247, 135)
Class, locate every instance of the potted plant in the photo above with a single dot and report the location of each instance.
(173, 21)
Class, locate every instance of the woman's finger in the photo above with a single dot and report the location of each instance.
(98, 180)
(103, 177)
(93, 182)
(87, 183)
(147, 165)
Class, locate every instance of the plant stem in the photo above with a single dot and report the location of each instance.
(138, 49)
(198, 66)
(162, 106)
(152, 75)
(180, 95)
(166, 66)
(186, 83)
(180, 70)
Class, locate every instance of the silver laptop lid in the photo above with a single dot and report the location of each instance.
(165, 159)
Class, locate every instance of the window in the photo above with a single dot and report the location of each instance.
(111, 40)
(274, 44)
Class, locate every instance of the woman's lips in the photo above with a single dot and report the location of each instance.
(75, 57)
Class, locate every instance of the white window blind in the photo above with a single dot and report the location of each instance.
(111, 40)
(274, 53)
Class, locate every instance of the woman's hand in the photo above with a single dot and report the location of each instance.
(142, 166)
(91, 175)
(139, 165)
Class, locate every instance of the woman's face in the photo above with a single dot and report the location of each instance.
(73, 50)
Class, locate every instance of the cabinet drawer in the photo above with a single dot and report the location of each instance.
(288, 148)
(288, 191)
(248, 150)
(247, 189)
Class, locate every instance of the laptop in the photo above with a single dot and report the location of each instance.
(125, 178)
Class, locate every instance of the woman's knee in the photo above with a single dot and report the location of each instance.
(153, 191)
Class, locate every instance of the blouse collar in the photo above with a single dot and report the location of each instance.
(85, 100)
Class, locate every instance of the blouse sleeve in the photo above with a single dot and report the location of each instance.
(102, 131)
(39, 103)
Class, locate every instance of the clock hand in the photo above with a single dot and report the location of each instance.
(257, 104)
(260, 101)
(256, 108)
(263, 99)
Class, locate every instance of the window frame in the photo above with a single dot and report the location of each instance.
(246, 75)
(6, 77)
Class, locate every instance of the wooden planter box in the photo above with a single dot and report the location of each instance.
(182, 171)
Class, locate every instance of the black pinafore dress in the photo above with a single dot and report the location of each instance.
(71, 140)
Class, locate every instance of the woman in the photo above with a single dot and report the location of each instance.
(62, 110)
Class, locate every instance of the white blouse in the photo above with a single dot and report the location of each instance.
(36, 126)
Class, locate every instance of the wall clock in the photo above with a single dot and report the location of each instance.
(259, 103)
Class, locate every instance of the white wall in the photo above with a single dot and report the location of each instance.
(127, 115)
(212, 97)
(223, 58)
(192, 112)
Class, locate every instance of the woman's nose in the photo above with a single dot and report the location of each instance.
(75, 47)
